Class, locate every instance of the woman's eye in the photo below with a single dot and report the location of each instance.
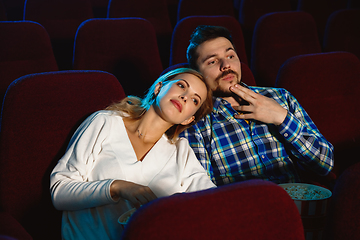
(195, 101)
(181, 85)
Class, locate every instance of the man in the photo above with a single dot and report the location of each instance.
(252, 132)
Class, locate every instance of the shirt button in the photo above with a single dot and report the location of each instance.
(263, 156)
(286, 134)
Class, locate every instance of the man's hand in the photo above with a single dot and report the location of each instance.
(260, 108)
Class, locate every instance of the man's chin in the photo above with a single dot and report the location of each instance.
(222, 93)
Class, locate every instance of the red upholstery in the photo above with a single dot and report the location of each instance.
(155, 12)
(185, 27)
(61, 19)
(188, 8)
(253, 209)
(125, 47)
(277, 37)
(327, 85)
(345, 208)
(40, 113)
(320, 10)
(342, 32)
(251, 10)
(25, 48)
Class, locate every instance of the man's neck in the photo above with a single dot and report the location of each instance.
(232, 101)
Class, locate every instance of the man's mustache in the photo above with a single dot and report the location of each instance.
(223, 74)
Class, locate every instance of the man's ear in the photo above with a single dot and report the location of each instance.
(188, 121)
(157, 88)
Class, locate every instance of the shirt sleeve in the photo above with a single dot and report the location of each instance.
(193, 175)
(309, 146)
(69, 187)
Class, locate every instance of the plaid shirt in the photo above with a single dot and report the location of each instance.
(233, 150)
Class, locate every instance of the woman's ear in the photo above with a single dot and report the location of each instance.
(157, 88)
(188, 121)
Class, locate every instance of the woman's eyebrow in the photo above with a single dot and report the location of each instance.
(188, 85)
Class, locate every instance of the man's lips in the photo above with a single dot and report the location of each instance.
(177, 104)
(228, 77)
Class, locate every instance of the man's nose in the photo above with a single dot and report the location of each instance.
(225, 64)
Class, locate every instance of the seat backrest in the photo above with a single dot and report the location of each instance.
(40, 113)
(344, 210)
(327, 85)
(251, 10)
(188, 8)
(61, 19)
(320, 10)
(25, 48)
(342, 32)
(155, 11)
(277, 37)
(185, 27)
(125, 47)
(247, 210)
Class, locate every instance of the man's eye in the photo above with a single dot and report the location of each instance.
(211, 62)
(231, 56)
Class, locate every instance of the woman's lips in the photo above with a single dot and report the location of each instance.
(177, 104)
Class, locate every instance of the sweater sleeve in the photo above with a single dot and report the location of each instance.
(193, 175)
(69, 185)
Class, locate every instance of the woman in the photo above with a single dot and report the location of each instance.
(130, 154)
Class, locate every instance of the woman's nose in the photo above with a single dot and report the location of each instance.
(184, 98)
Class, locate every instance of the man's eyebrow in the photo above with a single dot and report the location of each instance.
(188, 85)
(214, 55)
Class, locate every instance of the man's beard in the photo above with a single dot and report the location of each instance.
(218, 91)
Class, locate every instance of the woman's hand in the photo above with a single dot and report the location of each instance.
(260, 108)
(134, 193)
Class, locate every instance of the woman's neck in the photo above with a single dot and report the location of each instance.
(149, 128)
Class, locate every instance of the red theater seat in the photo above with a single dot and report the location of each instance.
(125, 47)
(277, 37)
(327, 85)
(25, 48)
(40, 113)
(345, 209)
(321, 10)
(188, 8)
(342, 32)
(155, 12)
(253, 209)
(61, 19)
(251, 10)
(185, 27)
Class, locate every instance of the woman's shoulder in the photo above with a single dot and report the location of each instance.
(102, 116)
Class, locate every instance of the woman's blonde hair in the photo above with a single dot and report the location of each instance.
(134, 107)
